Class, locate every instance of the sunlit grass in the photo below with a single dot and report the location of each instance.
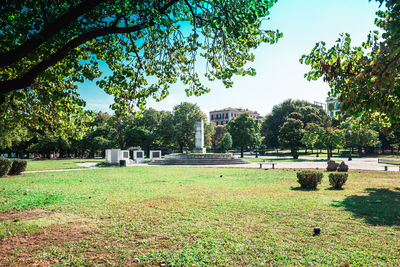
(56, 164)
(209, 216)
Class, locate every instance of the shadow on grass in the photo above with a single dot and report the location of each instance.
(302, 189)
(379, 207)
(334, 189)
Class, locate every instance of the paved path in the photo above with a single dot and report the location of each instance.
(356, 164)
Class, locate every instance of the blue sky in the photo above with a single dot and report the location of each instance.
(279, 74)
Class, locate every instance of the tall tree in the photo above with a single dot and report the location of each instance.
(185, 116)
(359, 135)
(331, 138)
(310, 137)
(46, 47)
(226, 142)
(245, 131)
(220, 131)
(365, 78)
(290, 135)
(274, 121)
(139, 136)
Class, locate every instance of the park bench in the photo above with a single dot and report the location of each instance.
(267, 162)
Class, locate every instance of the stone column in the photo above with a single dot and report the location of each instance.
(199, 137)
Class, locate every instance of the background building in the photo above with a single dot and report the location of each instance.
(332, 105)
(223, 116)
(319, 105)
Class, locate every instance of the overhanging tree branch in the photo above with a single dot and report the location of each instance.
(27, 78)
(13, 56)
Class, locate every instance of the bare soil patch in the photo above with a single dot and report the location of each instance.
(25, 215)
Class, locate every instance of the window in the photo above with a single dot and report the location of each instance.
(331, 114)
(222, 122)
(227, 122)
(226, 115)
(216, 123)
(212, 117)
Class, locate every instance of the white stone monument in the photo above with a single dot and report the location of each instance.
(113, 156)
(138, 156)
(155, 154)
(199, 138)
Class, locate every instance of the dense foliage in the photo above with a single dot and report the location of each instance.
(365, 78)
(47, 47)
(309, 179)
(17, 167)
(337, 180)
(245, 131)
(5, 165)
(226, 142)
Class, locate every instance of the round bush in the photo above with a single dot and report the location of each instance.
(5, 165)
(17, 167)
(337, 180)
(309, 179)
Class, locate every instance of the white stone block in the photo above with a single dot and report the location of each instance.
(155, 154)
(138, 155)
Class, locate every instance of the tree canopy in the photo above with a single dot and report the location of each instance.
(296, 109)
(47, 47)
(365, 78)
(245, 131)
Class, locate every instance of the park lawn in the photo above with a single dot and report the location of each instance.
(389, 156)
(197, 216)
(56, 164)
(390, 162)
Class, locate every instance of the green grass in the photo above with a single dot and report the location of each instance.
(390, 162)
(390, 156)
(56, 164)
(185, 216)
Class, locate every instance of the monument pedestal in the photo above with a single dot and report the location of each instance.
(199, 150)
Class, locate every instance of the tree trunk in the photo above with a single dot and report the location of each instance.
(328, 153)
(241, 152)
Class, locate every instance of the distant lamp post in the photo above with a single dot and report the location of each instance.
(350, 159)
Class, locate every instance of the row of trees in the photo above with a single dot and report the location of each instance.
(170, 131)
(148, 129)
(294, 124)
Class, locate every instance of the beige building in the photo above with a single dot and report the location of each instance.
(223, 116)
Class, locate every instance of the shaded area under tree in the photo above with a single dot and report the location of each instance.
(379, 207)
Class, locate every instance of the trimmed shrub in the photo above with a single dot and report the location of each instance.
(343, 167)
(18, 166)
(332, 166)
(309, 179)
(5, 165)
(337, 180)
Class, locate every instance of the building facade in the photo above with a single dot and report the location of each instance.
(332, 105)
(224, 116)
